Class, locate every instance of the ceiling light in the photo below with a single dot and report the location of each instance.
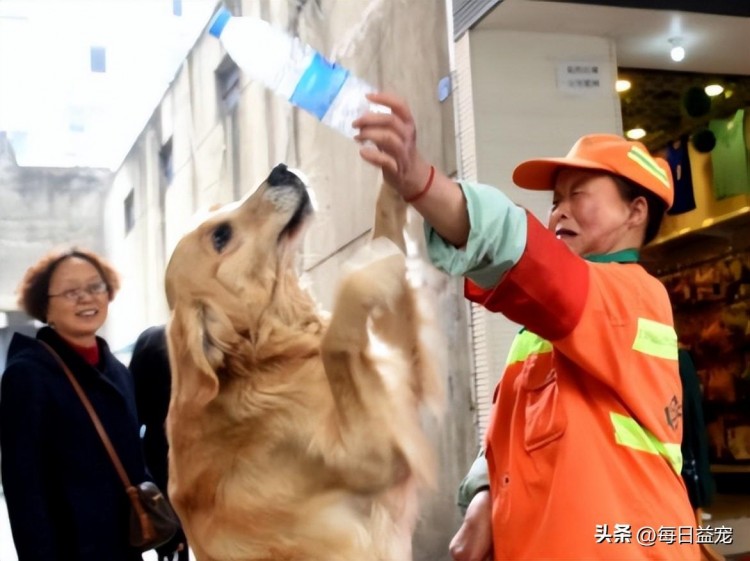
(678, 52)
(622, 85)
(713, 90)
(635, 134)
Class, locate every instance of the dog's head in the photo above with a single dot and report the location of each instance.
(233, 290)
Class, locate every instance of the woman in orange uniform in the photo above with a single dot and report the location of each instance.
(583, 445)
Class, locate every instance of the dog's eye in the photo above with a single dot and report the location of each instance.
(220, 236)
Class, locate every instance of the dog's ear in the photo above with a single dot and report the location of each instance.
(200, 335)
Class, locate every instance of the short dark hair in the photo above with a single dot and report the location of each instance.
(33, 292)
(630, 191)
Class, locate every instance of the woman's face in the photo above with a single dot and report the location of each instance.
(78, 300)
(588, 213)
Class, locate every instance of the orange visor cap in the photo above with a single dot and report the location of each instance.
(608, 153)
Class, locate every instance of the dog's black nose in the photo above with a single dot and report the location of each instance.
(280, 175)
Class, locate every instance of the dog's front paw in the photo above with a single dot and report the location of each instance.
(375, 277)
(375, 250)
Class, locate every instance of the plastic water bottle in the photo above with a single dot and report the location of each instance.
(294, 70)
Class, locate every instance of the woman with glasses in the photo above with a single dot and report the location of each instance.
(65, 499)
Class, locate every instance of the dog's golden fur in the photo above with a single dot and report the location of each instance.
(293, 437)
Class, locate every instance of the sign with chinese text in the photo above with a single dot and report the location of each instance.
(579, 77)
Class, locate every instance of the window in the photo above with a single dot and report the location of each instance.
(129, 208)
(228, 84)
(166, 162)
(98, 59)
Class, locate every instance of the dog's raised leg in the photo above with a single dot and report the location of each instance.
(367, 457)
(377, 400)
(390, 217)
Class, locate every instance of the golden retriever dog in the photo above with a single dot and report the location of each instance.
(294, 437)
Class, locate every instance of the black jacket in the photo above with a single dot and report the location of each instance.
(65, 500)
(149, 367)
(696, 468)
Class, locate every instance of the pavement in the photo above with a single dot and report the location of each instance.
(7, 551)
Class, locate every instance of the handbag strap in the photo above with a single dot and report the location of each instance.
(94, 417)
(146, 525)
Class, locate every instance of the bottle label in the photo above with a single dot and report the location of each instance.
(318, 86)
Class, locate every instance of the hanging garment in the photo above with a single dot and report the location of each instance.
(679, 162)
(729, 157)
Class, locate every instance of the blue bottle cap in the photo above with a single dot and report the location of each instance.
(218, 22)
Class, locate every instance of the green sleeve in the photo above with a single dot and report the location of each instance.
(477, 479)
(496, 242)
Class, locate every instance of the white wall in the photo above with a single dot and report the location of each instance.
(520, 111)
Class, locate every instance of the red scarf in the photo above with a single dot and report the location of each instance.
(89, 354)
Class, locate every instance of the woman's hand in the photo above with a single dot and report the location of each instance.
(390, 143)
(392, 139)
(473, 541)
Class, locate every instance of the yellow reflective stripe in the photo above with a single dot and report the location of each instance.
(649, 164)
(629, 433)
(656, 339)
(526, 344)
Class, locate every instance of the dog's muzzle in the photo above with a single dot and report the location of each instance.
(281, 177)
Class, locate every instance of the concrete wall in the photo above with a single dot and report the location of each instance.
(218, 156)
(42, 209)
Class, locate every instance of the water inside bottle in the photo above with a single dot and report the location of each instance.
(351, 103)
(267, 54)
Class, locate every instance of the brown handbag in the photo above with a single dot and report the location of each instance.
(153, 522)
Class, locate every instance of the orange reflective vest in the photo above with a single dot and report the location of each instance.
(583, 444)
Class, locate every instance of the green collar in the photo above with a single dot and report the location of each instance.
(623, 256)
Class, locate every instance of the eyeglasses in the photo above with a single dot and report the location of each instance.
(75, 294)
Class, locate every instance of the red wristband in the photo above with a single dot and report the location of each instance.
(424, 189)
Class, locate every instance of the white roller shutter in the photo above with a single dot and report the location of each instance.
(466, 146)
(491, 334)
